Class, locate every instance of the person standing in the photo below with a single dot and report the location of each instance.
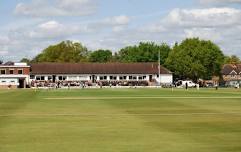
(237, 86)
(197, 86)
(186, 84)
(216, 86)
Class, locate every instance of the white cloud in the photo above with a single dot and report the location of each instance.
(203, 33)
(115, 23)
(3, 52)
(153, 28)
(117, 20)
(51, 25)
(52, 30)
(27, 41)
(4, 40)
(118, 29)
(220, 2)
(204, 17)
(42, 8)
(221, 25)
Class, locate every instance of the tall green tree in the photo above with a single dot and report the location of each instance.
(194, 59)
(101, 56)
(233, 59)
(66, 51)
(144, 52)
(25, 60)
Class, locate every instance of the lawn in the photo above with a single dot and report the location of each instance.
(120, 120)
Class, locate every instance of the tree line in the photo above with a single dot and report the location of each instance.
(192, 58)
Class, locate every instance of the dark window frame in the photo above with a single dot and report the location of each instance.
(20, 70)
(3, 73)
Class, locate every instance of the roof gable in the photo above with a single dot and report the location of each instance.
(97, 68)
(231, 69)
(233, 73)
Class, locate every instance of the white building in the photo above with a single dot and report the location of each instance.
(140, 73)
(14, 75)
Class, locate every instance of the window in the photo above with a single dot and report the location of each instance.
(42, 78)
(20, 71)
(113, 77)
(123, 77)
(3, 81)
(38, 78)
(49, 78)
(3, 71)
(103, 77)
(31, 76)
(11, 71)
(130, 77)
(62, 78)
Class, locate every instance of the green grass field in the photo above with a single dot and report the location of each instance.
(122, 120)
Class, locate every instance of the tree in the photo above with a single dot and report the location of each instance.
(1, 62)
(144, 52)
(25, 60)
(101, 56)
(195, 59)
(232, 59)
(66, 51)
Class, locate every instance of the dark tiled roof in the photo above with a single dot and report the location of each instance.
(97, 68)
(228, 68)
(9, 63)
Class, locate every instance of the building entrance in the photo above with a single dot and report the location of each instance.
(22, 83)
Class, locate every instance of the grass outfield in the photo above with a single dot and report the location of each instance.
(121, 120)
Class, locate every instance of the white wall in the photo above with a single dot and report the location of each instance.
(9, 81)
(15, 77)
(164, 78)
(167, 79)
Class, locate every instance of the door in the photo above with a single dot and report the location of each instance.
(54, 78)
(93, 79)
(150, 78)
(22, 83)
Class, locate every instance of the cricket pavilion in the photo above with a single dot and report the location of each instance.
(121, 74)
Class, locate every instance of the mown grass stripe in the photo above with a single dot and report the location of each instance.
(141, 114)
(141, 97)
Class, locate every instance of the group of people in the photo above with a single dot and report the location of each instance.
(58, 84)
(84, 84)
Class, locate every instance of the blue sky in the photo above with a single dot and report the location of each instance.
(29, 26)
